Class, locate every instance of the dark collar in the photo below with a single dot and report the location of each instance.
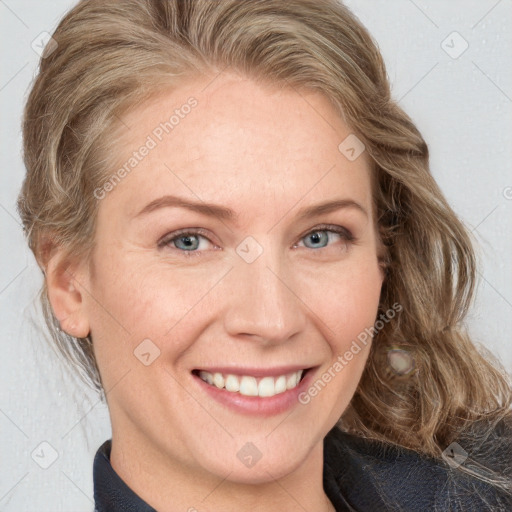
(359, 476)
(111, 494)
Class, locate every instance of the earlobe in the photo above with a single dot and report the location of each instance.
(65, 292)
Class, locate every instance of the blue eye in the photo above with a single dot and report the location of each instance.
(320, 236)
(189, 241)
(185, 241)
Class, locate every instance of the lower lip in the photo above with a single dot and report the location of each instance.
(256, 405)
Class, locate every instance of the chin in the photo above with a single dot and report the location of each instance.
(248, 464)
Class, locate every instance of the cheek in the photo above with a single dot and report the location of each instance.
(347, 301)
(348, 312)
(134, 298)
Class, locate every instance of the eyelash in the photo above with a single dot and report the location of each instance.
(171, 237)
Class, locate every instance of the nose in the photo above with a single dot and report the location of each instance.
(263, 304)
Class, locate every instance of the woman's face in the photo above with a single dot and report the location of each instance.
(213, 255)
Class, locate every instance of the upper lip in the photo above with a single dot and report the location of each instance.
(254, 372)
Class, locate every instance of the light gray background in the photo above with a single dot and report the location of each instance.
(463, 108)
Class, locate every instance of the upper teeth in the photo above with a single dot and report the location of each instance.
(252, 386)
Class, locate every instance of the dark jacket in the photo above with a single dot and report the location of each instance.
(359, 475)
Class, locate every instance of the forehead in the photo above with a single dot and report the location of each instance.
(229, 139)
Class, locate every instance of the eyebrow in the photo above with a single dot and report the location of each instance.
(224, 213)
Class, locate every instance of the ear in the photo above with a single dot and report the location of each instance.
(65, 283)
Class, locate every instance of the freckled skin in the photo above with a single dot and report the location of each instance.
(266, 153)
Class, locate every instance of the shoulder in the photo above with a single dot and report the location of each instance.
(372, 475)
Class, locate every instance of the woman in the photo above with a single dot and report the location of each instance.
(245, 253)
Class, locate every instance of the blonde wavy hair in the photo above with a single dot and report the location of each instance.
(114, 54)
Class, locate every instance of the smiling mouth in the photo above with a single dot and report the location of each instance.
(248, 385)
